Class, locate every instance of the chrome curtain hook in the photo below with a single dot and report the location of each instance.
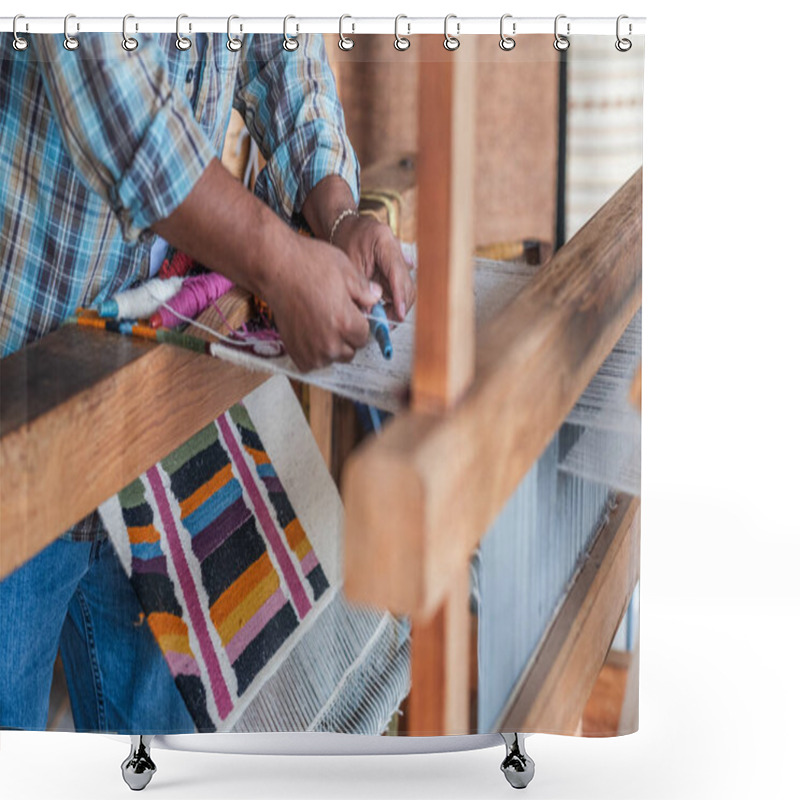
(623, 45)
(129, 43)
(70, 42)
(290, 43)
(19, 43)
(182, 42)
(345, 42)
(451, 42)
(507, 42)
(560, 43)
(401, 42)
(233, 44)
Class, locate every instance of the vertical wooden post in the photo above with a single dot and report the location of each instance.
(440, 667)
(320, 420)
(444, 359)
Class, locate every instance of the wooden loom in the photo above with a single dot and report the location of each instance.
(419, 498)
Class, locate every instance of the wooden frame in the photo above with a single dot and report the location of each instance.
(417, 499)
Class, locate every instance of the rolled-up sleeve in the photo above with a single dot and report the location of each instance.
(132, 138)
(290, 106)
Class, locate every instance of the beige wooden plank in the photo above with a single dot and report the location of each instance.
(419, 498)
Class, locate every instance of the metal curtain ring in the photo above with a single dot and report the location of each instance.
(70, 42)
(507, 42)
(451, 42)
(345, 42)
(128, 42)
(19, 43)
(290, 43)
(623, 45)
(560, 43)
(233, 44)
(400, 42)
(182, 42)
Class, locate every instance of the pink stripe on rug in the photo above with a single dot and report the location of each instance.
(309, 562)
(181, 664)
(255, 625)
(193, 605)
(301, 601)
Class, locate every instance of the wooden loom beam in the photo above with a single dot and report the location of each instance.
(553, 690)
(84, 412)
(420, 497)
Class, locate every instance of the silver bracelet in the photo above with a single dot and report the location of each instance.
(348, 212)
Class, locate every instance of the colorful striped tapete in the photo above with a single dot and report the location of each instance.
(220, 562)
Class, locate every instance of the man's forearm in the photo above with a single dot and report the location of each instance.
(229, 230)
(325, 203)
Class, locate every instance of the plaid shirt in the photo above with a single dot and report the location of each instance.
(98, 144)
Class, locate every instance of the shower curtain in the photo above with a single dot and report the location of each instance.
(208, 303)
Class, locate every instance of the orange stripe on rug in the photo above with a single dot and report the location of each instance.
(259, 456)
(250, 604)
(302, 549)
(200, 495)
(142, 534)
(230, 599)
(162, 623)
(170, 632)
(294, 533)
(173, 643)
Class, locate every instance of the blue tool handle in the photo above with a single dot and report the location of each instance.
(379, 328)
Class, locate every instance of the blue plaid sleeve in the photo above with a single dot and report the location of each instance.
(132, 139)
(290, 106)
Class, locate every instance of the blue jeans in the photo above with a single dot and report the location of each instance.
(75, 596)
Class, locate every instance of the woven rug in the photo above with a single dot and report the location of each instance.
(232, 544)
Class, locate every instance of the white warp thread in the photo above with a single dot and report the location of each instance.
(609, 447)
(528, 558)
(348, 674)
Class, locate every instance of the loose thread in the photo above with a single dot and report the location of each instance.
(223, 318)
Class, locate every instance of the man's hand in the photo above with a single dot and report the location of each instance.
(318, 297)
(369, 244)
(317, 294)
(372, 247)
